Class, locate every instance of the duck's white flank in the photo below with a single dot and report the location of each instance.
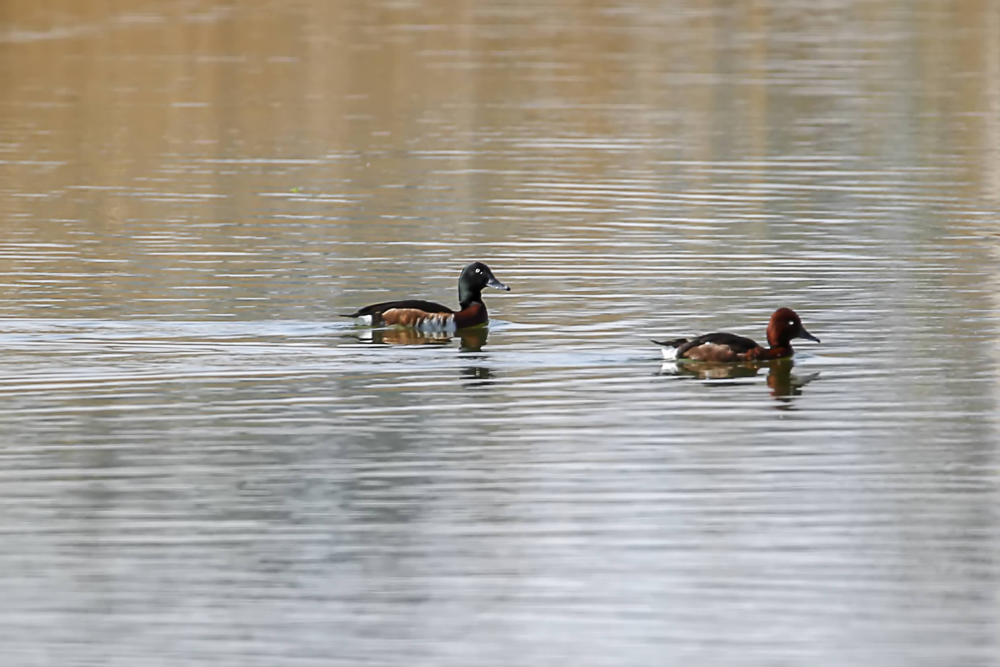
(437, 325)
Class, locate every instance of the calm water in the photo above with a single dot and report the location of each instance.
(201, 463)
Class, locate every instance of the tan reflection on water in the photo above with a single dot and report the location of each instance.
(128, 98)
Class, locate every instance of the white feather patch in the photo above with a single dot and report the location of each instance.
(437, 325)
(669, 352)
(365, 319)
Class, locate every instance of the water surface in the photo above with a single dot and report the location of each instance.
(201, 462)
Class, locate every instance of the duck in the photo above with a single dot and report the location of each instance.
(783, 326)
(428, 316)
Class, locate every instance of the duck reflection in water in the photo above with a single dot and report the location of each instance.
(470, 340)
(470, 346)
(780, 379)
(471, 349)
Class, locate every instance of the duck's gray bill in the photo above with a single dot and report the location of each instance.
(805, 334)
(496, 284)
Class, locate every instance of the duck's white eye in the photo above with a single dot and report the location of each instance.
(479, 270)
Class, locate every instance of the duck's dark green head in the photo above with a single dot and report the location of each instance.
(474, 278)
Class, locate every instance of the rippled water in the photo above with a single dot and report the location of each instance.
(201, 462)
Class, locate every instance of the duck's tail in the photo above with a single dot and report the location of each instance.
(361, 318)
(669, 347)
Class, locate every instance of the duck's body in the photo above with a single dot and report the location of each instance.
(433, 317)
(422, 315)
(726, 347)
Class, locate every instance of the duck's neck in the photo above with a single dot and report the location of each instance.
(467, 297)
